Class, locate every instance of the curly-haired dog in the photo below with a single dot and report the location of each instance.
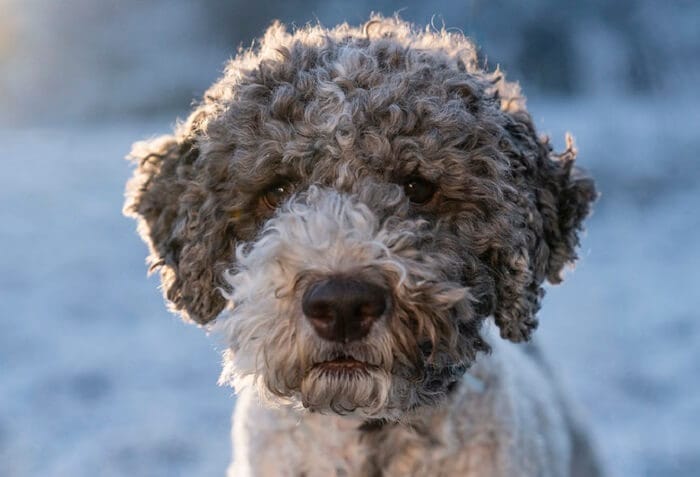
(349, 207)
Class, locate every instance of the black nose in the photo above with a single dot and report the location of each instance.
(343, 309)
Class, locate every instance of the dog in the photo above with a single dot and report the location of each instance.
(360, 213)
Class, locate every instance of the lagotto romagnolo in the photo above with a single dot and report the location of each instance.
(360, 213)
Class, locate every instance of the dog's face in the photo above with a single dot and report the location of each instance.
(350, 205)
(350, 301)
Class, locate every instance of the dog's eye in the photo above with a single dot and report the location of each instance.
(419, 191)
(273, 196)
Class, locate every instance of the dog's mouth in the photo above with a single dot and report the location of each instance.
(343, 365)
(345, 384)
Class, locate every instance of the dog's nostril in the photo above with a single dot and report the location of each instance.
(343, 309)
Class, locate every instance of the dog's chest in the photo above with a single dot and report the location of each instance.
(286, 443)
(341, 449)
(281, 442)
(331, 447)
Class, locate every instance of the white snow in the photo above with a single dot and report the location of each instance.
(96, 378)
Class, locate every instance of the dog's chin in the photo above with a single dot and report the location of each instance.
(346, 387)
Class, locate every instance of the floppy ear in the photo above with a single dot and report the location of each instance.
(551, 197)
(564, 197)
(188, 241)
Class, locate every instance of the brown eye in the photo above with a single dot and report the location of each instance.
(419, 191)
(276, 194)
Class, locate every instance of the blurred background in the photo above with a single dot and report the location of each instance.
(97, 378)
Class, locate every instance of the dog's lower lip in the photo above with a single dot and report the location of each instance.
(343, 363)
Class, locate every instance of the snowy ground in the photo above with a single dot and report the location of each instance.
(96, 378)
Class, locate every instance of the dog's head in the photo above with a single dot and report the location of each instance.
(351, 204)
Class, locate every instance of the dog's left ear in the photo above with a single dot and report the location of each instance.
(551, 199)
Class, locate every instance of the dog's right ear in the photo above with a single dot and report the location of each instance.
(183, 239)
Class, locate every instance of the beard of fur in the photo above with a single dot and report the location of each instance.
(363, 393)
(290, 374)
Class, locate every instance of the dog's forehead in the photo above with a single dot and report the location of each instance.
(356, 145)
(330, 164)
(320, 112)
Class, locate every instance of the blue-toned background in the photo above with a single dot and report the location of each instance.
(96, 378)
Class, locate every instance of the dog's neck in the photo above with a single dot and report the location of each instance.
(374, 425)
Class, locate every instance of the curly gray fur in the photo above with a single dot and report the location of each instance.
(383, 101)
(343, 108)
(294, 168)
